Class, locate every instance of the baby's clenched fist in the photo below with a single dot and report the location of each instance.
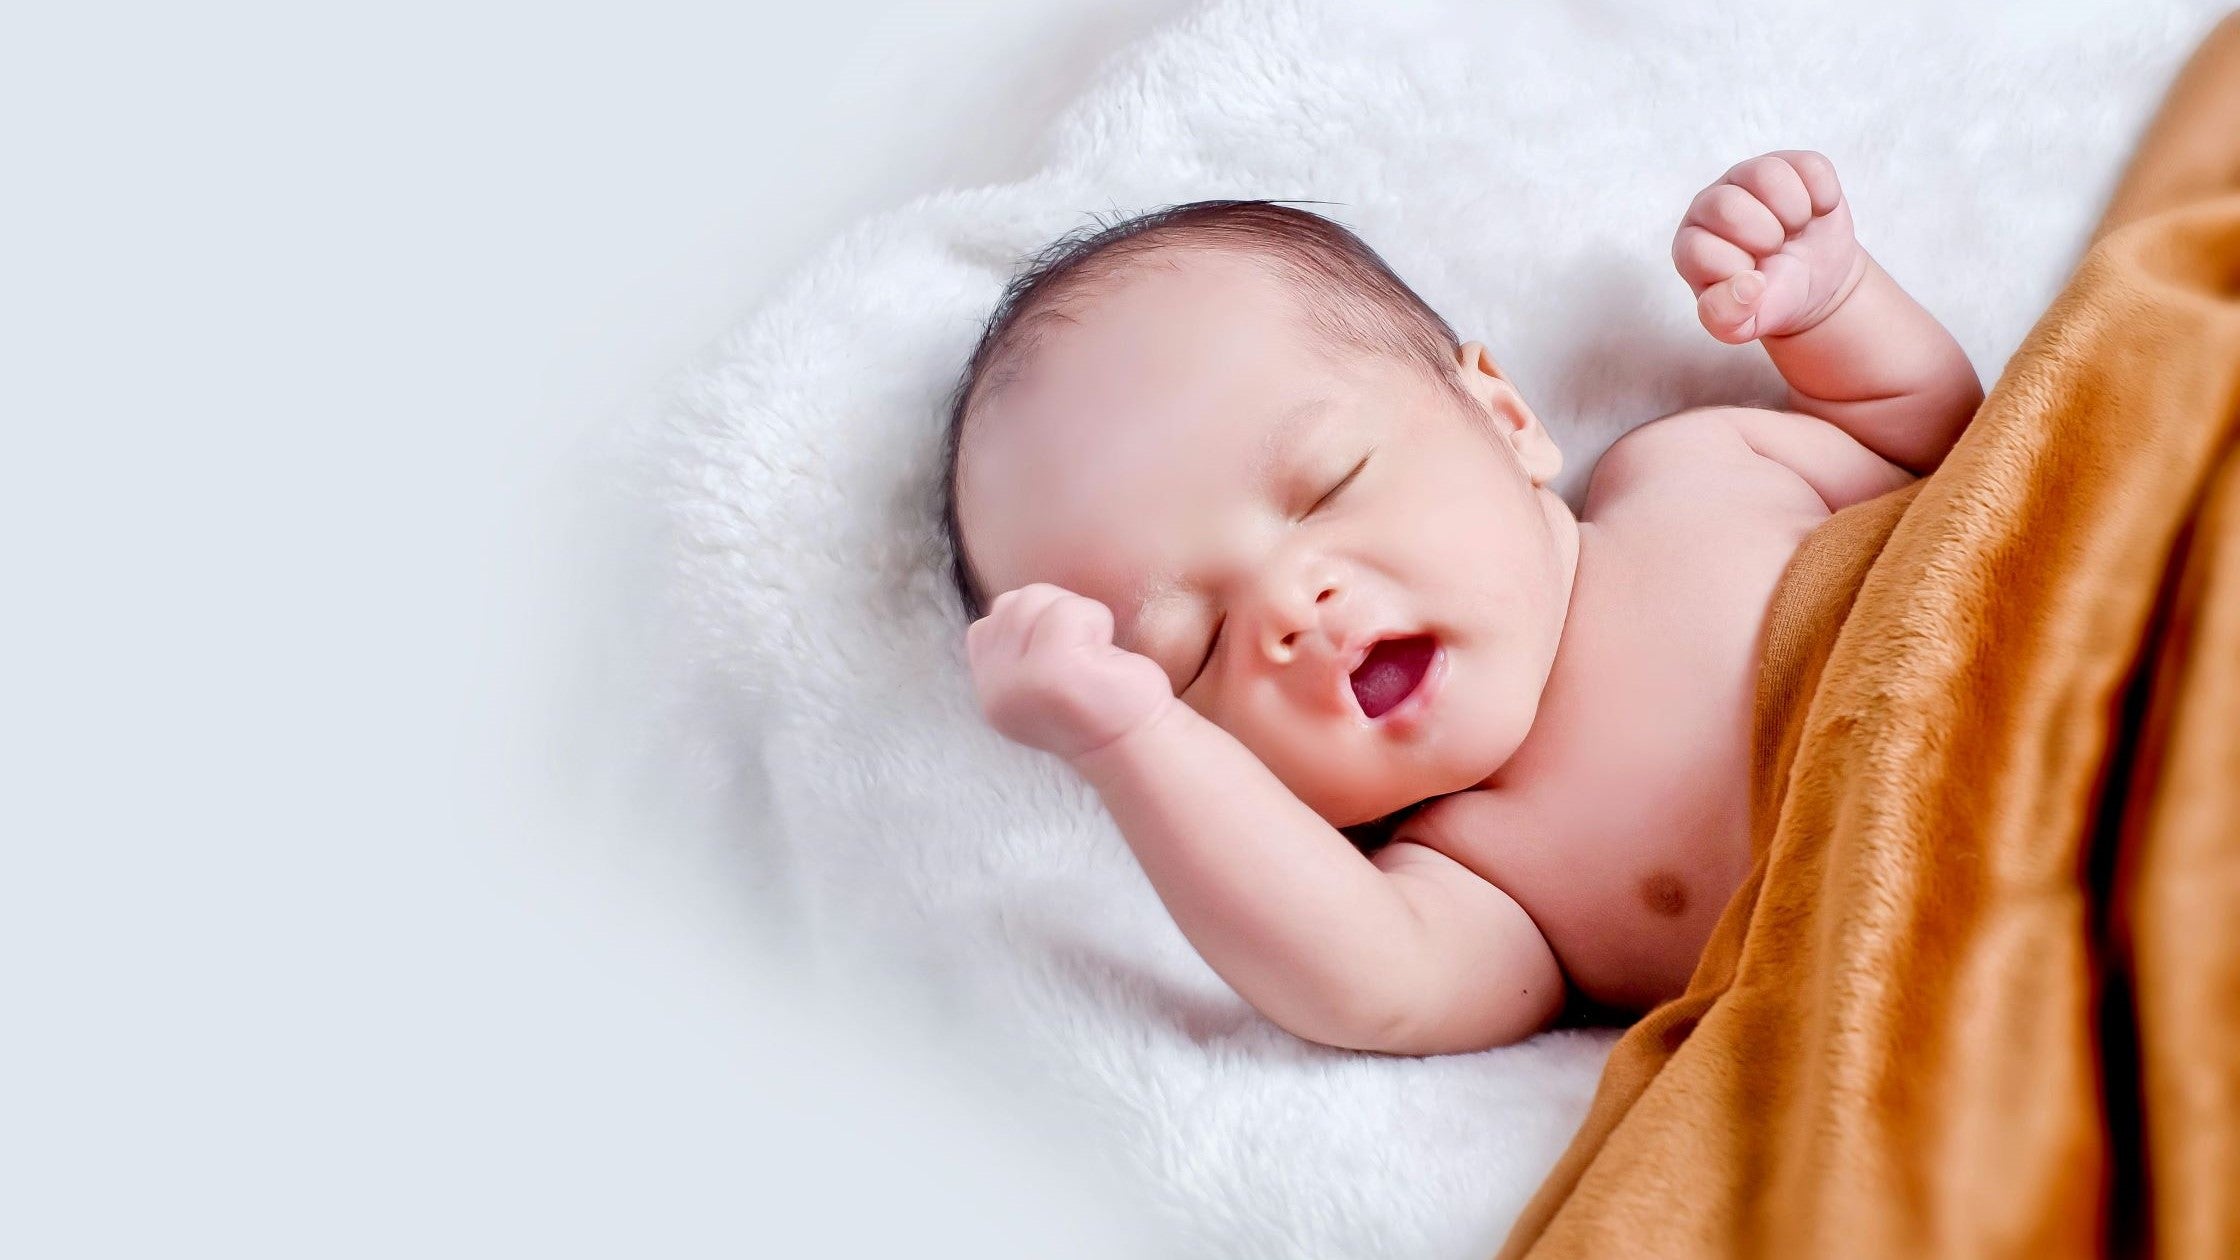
(1049, 677)
(1769, 249)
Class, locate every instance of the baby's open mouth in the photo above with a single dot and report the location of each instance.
(1391, 671)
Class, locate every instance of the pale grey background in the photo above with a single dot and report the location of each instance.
(322, 932)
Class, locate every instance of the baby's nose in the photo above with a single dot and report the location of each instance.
(1290, 634)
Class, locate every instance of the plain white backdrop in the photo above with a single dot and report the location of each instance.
(321, 932)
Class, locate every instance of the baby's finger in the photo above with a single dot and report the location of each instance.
(1734, 213)
(1778, 186)
(983, 633)
(1729, 310)
(1704, 259)
(1078, 622)
(1014, 614)
(986, 634)
(986, 655)
(1818, 175)
(1035, 596)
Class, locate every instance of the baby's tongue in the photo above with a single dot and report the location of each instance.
(1390, 673)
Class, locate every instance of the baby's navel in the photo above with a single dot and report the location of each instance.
(1663, 893)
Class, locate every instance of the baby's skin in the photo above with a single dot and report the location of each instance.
(1202, 521)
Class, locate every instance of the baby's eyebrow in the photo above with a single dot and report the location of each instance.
(1289, 428)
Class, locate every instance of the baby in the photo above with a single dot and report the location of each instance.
(1278, 557)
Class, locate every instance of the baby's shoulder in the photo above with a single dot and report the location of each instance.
(1685, 441)
(1697, 457)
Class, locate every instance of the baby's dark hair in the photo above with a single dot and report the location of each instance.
(1349, 297)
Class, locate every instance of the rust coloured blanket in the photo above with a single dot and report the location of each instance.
(1980, 994)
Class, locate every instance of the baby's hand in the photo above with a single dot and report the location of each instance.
(1768, 249)
(1049, 676)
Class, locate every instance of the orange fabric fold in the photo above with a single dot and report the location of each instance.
(1980, 993)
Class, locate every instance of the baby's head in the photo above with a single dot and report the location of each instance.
(1231, 424)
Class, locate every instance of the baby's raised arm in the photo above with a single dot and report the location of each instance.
(1402, 955)
(1770, 254)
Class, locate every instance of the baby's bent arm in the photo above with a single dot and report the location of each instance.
(1276, 900)
(1487, 976)
(1881, 368)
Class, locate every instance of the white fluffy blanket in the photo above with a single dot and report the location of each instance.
(1524, 168)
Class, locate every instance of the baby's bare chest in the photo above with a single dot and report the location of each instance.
(1622, 826)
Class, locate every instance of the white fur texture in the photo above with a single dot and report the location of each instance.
(1524, 167)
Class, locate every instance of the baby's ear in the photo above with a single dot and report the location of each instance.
(1505, 410)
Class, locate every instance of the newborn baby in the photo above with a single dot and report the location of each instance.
(1273, 555)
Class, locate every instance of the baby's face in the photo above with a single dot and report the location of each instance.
(1173, 456)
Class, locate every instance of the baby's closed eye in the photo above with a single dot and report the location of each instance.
(1343, 482)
